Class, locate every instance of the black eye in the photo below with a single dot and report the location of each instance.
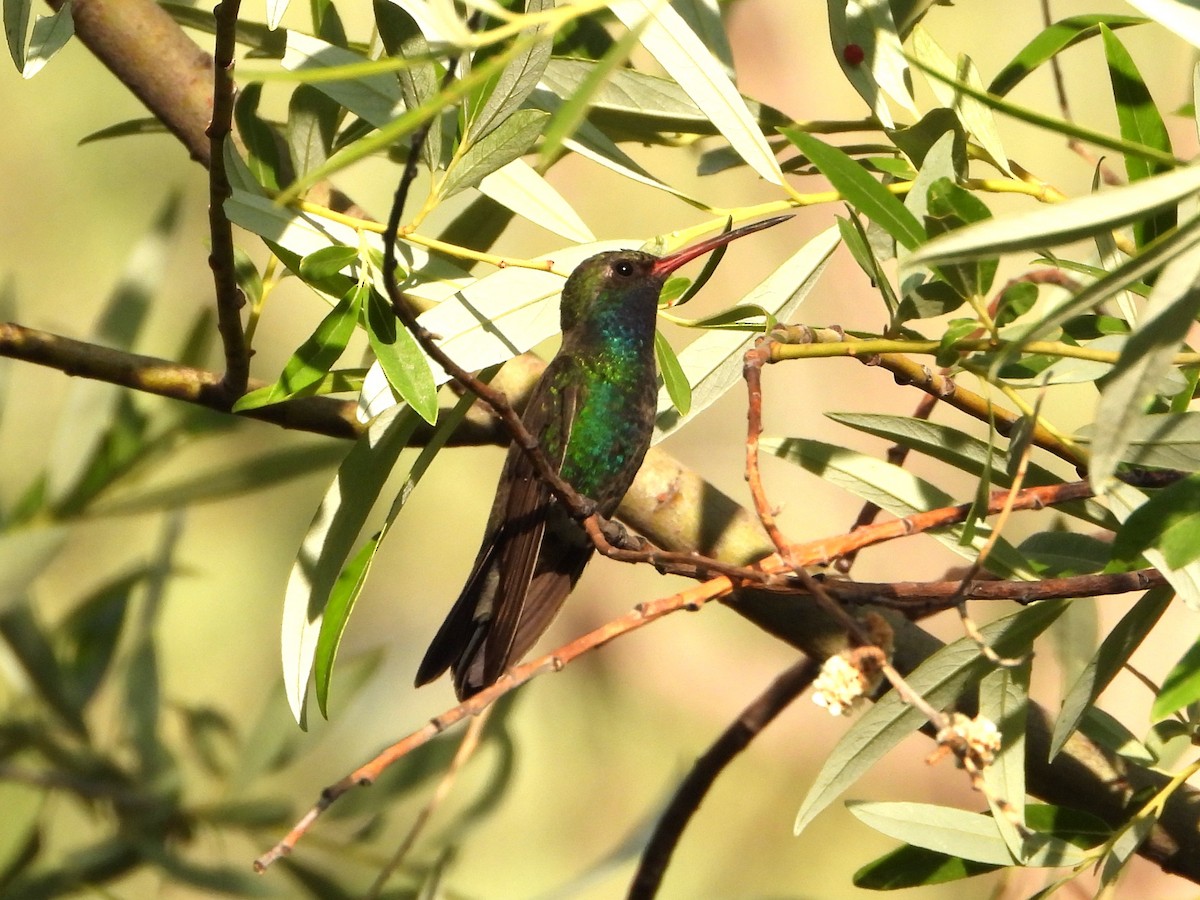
(623, 267)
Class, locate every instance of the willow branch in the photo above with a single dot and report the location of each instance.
(789, 685)
(230, 298)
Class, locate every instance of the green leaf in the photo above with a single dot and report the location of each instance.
(351, 579)
(712, 364)
(401, 358)
(868, 197)
(976, 119)
(909, 866)
(880, 66)
(1123, 500)
(1181, 687)
(311, 125)
(327, 543)
(1052, 41)
(681, 53)
(1062, 223)
(673, 377)
(515, 82)
(1103, 729)
(940, 679)
(1145, 359)
(341, 602)
(326, 262)
(572, 112)
(16, 24)
(128, 128)
(1168, 521)
(87, 637)
(262, 151)
(501, 145)
(523, 190)
(50, 34)
(420, 79)
(389, 132)
(1115, 650)
(1140, 124)
(372, 97)
(959, 833)
(315, 357)
(1004, 699)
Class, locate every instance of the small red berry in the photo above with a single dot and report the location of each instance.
(853, 54)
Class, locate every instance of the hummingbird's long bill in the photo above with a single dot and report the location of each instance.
(669, 263)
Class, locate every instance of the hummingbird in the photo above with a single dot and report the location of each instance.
(592, 412)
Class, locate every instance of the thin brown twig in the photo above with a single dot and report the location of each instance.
(754, 360)
(466, 749)
(691, 599)
(229, 296)
(786, 687)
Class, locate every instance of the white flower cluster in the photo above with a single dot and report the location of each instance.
(840, 687)
(980, 736)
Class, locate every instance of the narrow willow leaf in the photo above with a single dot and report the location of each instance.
(868, 197)
(675, 46)
(515, 82)
(1123, 500)
(909, 866)
(401, 358)
(674, 380)
(896, 491)
(16, 25)
(342, 597)
(643, 104)
(321, 264)
(315, 357)
(1115, 650)
(222, 482)
(742, 317)
(311, 125)
(327, 544)
(24, 553)
(1052, 41)
(573, 110)
(1168, 521)
(712, 364)
(128, 128)
(959, 833)
(1104, 730)
(391, 131)
(1181, 687)
(419, 81)
(262, 152)
(940, 679)
(374, 98)
(876, 65)
(425, 276)
(501, 145)
(1141, 124)
(1004, 700)
(88, 413)
(1062, 223)
(50, 34)
(275, 11)
(350, 581)
(704, 18)
(1147, 356)
(520, 188)
(976, 118)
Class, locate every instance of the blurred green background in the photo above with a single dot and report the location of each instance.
(600, 746)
